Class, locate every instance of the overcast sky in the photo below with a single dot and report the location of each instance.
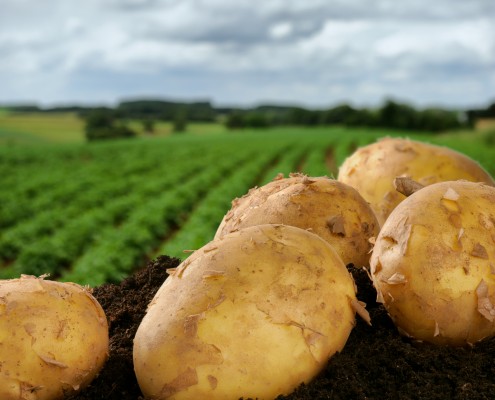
(244, 52)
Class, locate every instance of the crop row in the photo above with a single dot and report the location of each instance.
(93, 214)
(205, 218)
(109, 201)
(48, 244)
(78, 184)
(99, 225)
(119, 251)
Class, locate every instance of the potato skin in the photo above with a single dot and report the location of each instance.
(252, 314)
(53, 338)
(371, 170)
(331, 209)
(433, 264)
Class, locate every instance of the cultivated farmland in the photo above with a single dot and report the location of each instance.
(93, 213)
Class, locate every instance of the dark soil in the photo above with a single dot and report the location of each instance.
(125, 305)
(376, 363)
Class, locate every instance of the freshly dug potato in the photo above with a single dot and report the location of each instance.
(371, 170)
(252, 314)
(331, 209)
(53, 338)
(433, 263)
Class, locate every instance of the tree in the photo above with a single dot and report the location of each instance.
(256, 120)
(100, 118)
(180, 122)
(302, 116)
(235, 120)
(148, 125)
(102, 124)
(362, 117)
(400, 116)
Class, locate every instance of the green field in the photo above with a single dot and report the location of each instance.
(93, 213)
(41, 127)
(37, 128)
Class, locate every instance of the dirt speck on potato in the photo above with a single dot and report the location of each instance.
(336, 225)
(479, 251)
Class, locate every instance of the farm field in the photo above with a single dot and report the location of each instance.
(26, 128)
(94, 213)
(65, 127)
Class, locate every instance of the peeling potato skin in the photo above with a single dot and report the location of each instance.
(433, 263)
(253, 314)
(372, 169)
(53, 338)
(331, 209)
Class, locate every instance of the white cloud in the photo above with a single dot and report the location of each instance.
(281, 30)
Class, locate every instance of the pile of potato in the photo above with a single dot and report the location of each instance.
(261, 308)
(433, 264)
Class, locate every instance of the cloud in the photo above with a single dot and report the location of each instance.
(239, 25)
(312, 52)
(132, 5)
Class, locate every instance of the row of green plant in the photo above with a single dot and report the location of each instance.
(57, 185)
(107, 207)
(202, 223)
(55, 236)
(117, 252)
(94, 213)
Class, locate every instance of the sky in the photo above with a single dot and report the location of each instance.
(314, 53)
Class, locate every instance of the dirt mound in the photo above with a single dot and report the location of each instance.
(376, 363)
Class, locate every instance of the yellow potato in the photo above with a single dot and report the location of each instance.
(372, 169)
(53, 339)
(433, 264)
(331, 209)
(254, 314)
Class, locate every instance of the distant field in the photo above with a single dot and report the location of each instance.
(34, 128)
(485, 124)
(41, 127)
(94, 212)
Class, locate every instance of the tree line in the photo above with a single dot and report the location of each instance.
(391, 114)
(108, 122)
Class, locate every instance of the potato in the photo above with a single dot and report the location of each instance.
(433, 264)
(331, 209)
(371, 170)
(53, 338)
(252, 314)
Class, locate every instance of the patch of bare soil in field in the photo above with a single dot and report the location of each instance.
(330, 162)
(376, 363)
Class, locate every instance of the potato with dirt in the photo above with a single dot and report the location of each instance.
(53, 338)
(253, 314)
(331, 209)
(433, 264)
(371, 170)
